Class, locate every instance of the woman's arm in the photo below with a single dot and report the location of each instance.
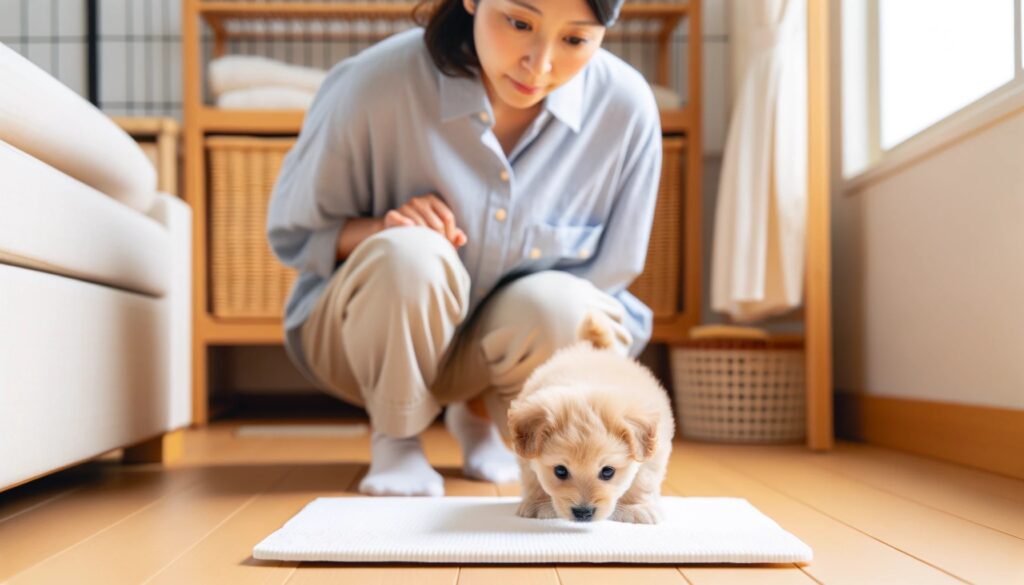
(354, 232)
(426, 210)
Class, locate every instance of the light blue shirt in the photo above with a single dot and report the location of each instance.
(577, 193)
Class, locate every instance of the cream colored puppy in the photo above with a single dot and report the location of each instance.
(593, 430)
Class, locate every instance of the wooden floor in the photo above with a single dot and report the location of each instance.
(871, 516)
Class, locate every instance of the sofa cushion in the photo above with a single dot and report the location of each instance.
(46, 119)
(50, 221)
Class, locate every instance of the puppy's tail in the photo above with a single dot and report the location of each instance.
(595, 332)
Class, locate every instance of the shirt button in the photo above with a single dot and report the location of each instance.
(535, 253)
(484, 117)
(504, 176)
(500, 215)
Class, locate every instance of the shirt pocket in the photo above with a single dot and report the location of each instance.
(557, 246)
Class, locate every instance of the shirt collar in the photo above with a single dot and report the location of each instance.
(464, 96)
(566, 102)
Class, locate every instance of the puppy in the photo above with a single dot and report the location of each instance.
(593, 431)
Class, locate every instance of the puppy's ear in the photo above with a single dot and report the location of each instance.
(529, 424)
(640, 432)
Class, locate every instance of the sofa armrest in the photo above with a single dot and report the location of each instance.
(176, 216)
(49, 121)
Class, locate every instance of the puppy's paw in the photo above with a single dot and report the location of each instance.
(546, 511)
(638, 514)
(540, 509)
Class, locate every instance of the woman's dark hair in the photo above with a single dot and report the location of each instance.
(449, 32)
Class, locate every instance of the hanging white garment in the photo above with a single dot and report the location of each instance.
(757, 264)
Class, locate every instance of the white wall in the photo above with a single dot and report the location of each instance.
(929, 276)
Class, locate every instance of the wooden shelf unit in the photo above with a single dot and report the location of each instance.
(201, 120)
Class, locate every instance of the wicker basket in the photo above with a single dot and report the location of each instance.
(658, 286)
(246, 280)
(740, 390)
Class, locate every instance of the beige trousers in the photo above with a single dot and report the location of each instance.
(391, 332)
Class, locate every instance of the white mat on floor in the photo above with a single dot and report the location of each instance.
(486, 530)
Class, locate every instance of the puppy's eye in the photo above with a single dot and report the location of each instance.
(561, 472)
(606, 473)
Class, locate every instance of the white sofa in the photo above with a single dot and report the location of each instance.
(95, 283)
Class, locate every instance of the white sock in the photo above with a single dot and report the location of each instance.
(484, 454)
(399, 468)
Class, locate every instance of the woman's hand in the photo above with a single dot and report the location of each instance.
(427, 211)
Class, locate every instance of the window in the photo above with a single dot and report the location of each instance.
(937, 56)
(918, 74)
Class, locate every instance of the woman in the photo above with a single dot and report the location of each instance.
(459, 198)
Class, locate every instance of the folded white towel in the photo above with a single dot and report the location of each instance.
(247, 71)
(666, 98)
(266, 98)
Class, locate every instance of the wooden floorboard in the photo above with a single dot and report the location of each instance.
(984, 498)
(619, 575)
(225, 554)
(135, 548)
(62, 523)
(932, 536)
(871, 515)
(745, 575)
(840, 550)
(331, 574)
(508, 576)
(52, 487)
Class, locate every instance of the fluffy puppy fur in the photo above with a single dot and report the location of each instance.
(593, 430)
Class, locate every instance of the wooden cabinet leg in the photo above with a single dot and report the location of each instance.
(165, 449)
(200, 383)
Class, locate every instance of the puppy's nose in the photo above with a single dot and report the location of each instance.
(583, 513)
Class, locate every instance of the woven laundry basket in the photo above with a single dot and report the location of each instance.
(246, 279)
(739, 385)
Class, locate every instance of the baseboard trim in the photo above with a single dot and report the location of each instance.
(976, 436)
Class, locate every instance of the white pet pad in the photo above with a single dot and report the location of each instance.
(486, 530)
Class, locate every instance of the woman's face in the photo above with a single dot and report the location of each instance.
(529, 48)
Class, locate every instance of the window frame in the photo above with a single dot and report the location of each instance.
(876, 161)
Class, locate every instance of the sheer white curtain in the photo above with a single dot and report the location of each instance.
(757, 264)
